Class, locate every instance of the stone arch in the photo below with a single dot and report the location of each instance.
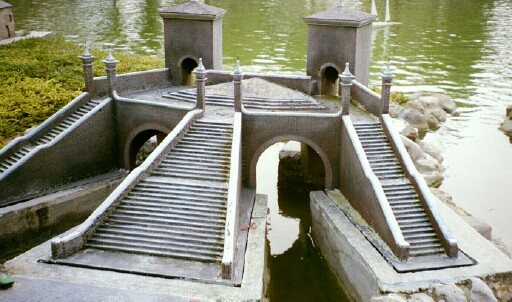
(137, 138)
(187, 65)
(329, 80)
(325, 159)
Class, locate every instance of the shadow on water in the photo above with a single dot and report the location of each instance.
(300, 273)
(296, 270)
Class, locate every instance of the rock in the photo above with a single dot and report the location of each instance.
(506, 127)
(450, 293)
(480, 226)
(427, 164)
(410, 132)
(509, 112)
(420, 297)
(433, 122)
(388, 298)
(433, 146)
(439, 114)
(412, 148)
(415, 118)
(446, 103)
(394, 110)
(433, 179)
(481, 292)
(429, 102)
(416, 104)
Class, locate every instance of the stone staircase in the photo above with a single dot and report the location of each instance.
(400, 193)
(179, 210)
(258, 103)
(49, 135)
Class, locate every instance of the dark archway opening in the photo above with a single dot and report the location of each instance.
(143, 144)
(8, 31)
(187, 66)
(330, 81)
(296, 269)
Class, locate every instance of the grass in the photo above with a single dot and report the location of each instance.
(40, 76)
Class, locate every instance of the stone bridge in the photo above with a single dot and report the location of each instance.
(185, 205)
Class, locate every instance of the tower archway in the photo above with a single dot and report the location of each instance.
(187, 66)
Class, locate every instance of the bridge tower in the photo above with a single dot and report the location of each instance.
(335, 37)
(191, 31)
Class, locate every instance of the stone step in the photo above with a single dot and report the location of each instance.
(125, 207)
(158, 225)
(148, 195)
(158, 204)
(191, 175)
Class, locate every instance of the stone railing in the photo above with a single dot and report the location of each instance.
(69, 244)
(360, 184)
(233, 202)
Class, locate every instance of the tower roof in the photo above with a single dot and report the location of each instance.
(341, 16)
(193, 10)
(4, 4)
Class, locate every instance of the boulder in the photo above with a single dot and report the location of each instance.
(506, 127)
(410, 132)
(416, 104)
(433, 146)
(439, 114)
(433, 122)
(433, 179)
(412, 148)
(481, 292)
(430, 102)
(415, 118)
(446, 103)
(388, 298)
(420, 297)
(427, 165)
(509, 112)
(450, 293)
(394, 110)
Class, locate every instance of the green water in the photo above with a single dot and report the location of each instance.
(459, 47)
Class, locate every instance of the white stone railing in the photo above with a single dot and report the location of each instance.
(233, 201)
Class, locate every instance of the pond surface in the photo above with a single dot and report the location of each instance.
(459, 47)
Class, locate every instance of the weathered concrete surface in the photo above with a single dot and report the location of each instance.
(364, 271)
(53, 282)
(38, 219)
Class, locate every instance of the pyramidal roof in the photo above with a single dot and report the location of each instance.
(4, 4)
(341, 16)
(193, 10)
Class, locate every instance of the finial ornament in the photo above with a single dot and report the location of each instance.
(238, 70)
(388, 73)
(193, 0)
(346, 72)
(86, 54)
(201, 68)
(110, 58)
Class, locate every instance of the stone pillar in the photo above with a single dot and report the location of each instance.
(346, 84)
(237, 83)
(87, 60)
(387, 79)
(110, 66)
(201, 85)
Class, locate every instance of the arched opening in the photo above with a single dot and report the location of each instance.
(187, 66)
(294, 260)
(329, 81)
(10, 17)
(142, 145)
(8, 31)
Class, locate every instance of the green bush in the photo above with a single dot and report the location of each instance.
(40, 76)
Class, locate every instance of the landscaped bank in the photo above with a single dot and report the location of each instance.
(40, 76)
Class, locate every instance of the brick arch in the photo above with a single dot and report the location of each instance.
(137, 138)
(325, 159)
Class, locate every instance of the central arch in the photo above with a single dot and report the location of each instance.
(329, 79)
(187, 65)
(137, 138)
(323, 156)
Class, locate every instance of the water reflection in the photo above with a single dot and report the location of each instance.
(297, 270)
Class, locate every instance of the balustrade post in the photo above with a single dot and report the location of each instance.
(87, 60)
(110, 67)
(237, 81)
(346, 84)
(200, 73)
(387, 79)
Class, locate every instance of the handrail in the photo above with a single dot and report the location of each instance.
(426, 197)
(233, 202)
(67, 245)
(366, 97)
(47, 123)
(117, 97)
(402, 246)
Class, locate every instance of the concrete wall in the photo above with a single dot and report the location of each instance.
(194, 39)
(134, 81)
(86, 149)
(322, 132)
(7, 29)
(370, 100)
